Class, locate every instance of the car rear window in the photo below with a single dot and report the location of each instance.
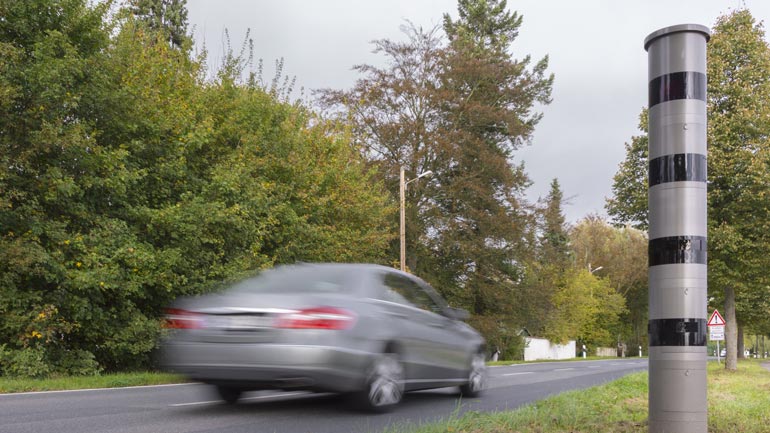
(299, 279)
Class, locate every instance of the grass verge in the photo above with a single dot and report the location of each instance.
(116, 380)
(738, 402)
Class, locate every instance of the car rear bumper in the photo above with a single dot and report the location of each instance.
(264, 366)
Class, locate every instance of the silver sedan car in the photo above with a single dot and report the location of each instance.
(365, 330)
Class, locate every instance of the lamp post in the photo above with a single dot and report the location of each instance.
(402, 193)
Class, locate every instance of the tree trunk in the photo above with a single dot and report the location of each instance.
(741, 346)
(756, 346)
(731, 330)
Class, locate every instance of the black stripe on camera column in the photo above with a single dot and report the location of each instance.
(677, 85)
(677, 332)
(682, 167)
(677, 250)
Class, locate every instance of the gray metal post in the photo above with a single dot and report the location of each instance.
(677, 233)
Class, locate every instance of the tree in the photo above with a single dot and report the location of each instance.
(604, 271)
(127, 181)
(394, 123)
(738, 87)
(554, 240)
(486, 102)
(739, 190)
(459, 108)
(550, 266)
(586, 308)
(54, 175)
(166, 16)
(628, 203)
(618, 255)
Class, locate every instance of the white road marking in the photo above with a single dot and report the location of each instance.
(517, 374)
(564, 369)
(261, 397)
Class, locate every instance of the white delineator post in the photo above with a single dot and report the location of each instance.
(677, 231)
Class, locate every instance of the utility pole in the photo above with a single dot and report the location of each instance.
(402, 220)
(402, 184)
(677, 233)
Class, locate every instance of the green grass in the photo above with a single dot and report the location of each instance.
(115, 380)
(738, 402)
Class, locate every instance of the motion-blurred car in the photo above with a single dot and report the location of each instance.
(366, 330)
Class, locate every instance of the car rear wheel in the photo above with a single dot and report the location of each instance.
(477, 377)
(384, 385)
(229, 394)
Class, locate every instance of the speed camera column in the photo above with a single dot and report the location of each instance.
(677, 232)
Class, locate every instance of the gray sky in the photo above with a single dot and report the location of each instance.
(595, 48)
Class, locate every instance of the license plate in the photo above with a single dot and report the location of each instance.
(238, 322)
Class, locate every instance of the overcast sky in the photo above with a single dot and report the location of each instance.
(595, 48)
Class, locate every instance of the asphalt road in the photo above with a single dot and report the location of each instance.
(195, 408)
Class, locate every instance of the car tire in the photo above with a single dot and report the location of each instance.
(477, 377)
(229, 394)
(384, 386)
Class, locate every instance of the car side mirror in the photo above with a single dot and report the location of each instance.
(457, 313)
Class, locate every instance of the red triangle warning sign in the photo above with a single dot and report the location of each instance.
(716, 319)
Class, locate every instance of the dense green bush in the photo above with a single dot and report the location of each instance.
(127, 179)
(25, 362)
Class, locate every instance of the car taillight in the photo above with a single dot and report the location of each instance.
(317, 318)
(182, 319)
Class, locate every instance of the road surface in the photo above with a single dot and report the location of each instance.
(195, 408)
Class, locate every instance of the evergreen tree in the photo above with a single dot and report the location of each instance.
(628, 203)
(166, 16)
(548, 268)
(554, 240)
(486, 100)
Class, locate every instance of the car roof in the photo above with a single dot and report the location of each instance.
(354, 268)
(349, 266)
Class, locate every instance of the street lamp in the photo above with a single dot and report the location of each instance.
(402, 192)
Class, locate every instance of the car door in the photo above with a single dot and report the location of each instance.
(433, 353)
